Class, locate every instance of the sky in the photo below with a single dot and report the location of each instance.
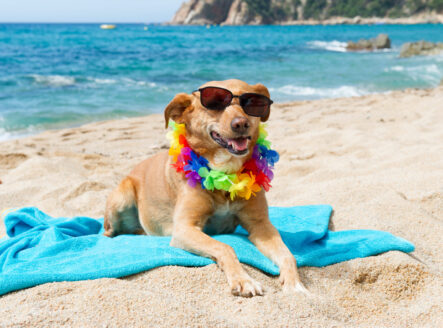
(95, 11)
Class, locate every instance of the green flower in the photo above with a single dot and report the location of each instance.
(216, 179)
(262, 137)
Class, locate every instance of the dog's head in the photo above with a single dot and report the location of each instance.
(224, 137)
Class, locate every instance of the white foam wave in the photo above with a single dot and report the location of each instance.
(395, 69)
(4, 135)
(339, 46)
(142, 83)
(53, 80)
(62, 81)
(102, 81)
(343, 91)
(124, 81)
(430, 73)
(21, 133)
(328, 45)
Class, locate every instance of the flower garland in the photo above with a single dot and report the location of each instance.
(254, 175)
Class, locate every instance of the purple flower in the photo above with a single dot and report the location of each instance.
(193, 178)
(256, 152)
(262, 165)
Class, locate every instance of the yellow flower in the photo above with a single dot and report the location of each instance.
(179, 129)
(262, 130)
(173, 136)
(244, 186)
(262, 135)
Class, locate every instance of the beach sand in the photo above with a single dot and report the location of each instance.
(377, 159)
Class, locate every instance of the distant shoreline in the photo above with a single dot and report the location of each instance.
(433, 19)
(327, 22)
(412, 20)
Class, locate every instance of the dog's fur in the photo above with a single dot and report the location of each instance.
(156, 200)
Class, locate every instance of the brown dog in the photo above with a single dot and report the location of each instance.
(156, 200)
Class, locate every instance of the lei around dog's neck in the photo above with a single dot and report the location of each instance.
(255, 174)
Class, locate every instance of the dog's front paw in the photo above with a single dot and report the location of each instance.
(296, 288)
(291, 284)
(246, 287)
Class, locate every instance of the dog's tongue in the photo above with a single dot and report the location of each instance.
(238, 144)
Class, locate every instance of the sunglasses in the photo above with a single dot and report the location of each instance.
(253, 104)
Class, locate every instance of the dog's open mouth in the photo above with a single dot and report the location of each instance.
(236, 146)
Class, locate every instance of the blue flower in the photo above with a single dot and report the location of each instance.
(270, 155)
(196, 162)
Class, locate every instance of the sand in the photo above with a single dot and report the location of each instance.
(377, 159)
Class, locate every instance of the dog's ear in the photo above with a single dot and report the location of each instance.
(176, 108)
(261, 89)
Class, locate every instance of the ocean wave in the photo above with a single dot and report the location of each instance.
(131, 81)
(334, 45)
(343, 91)
(53, 80)
(63, 81)
(340, 46)
(395, 69)
(101, 81)
(16, 134)
(4, 135)
(428, 73)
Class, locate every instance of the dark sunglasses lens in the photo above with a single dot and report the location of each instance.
(215, 98)
(255, 105)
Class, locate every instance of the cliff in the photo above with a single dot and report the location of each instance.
(256, 12)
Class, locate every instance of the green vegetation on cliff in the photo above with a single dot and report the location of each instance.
(377, 8)
(272, 10)
(240, 12)
(437, 5)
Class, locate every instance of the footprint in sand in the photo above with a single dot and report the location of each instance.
(10, 161)
(84, 187)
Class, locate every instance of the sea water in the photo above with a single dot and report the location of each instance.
(60, 75)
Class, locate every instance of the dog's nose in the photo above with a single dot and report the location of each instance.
(240, 124)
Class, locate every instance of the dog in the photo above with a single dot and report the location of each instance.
(155, 199)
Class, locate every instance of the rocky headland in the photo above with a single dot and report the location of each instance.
(306, 12)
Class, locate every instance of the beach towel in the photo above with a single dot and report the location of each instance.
(41, 249)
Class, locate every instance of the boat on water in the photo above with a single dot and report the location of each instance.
(108, 26)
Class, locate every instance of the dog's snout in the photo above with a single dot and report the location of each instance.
(240, 124)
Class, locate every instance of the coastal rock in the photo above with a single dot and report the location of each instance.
(356, 20)
(382, 41)
(240, 14)
(198, 12)
(421, 48)
(305, 12)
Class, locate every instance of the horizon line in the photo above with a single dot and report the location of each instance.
(73, 22)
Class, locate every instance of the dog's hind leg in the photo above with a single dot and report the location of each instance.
(121, 215)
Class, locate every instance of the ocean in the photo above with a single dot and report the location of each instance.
(61, 75)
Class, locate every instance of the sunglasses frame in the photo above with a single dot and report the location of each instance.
(235, 96)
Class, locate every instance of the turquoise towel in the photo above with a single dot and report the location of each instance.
(43, 249)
